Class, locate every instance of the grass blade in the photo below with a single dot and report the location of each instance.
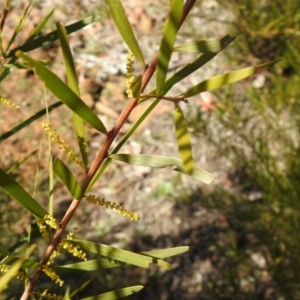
(228, 78)
(40, 26)
(154, 161)
(183, 140)
(119, 17)
(19, 25)
(166, 46)
(30, 120)
(64, 93)
(18, 193)
(73, 84)
(117, 294)
(67, 177)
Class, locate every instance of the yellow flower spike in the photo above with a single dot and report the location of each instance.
(19, 275)
(62, 145)
(46, 295)
(8, 103)
(52, 275)
(49, 220)
(114, 206)
(129, 74)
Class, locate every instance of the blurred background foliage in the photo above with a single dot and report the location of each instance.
(258, 132)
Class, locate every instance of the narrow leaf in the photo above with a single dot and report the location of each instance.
(220, 80)
(40, 26)
(91, 265)
(182, 73)
(18, 193)
(15, 166)
(120, 255)
(162, 162)
(117, 294)
(67, 177)
(73, 84)
(20, 24)
(64, 93)
(30, 120)
(119, 17)
(165, 253)
(191, 67)
(210, 45)
(52, 36)
(183, 140)
(166, 46)
(4, 279)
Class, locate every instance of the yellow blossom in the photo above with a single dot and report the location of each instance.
(8, 103)
(114, 206)
(129, 74)
(62, 145)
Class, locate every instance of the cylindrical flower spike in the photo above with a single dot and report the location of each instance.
(129, 74)
(62, 145)
(114, 206)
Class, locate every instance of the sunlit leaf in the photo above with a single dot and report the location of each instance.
(162, 162)
(67, 177)
(210, 45)
(120, 255)
(117, 294)
(165, 253)
(64, 93)
(119, 17)
(73, 84)
(183, 140)
(166, 46)
(18, 193)
(91, 265)
(220, 80)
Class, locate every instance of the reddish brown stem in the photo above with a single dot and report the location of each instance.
(96, 164)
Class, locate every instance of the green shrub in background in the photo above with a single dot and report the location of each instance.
(26, 267)
(259, 133)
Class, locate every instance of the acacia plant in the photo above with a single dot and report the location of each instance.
(69, 95)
